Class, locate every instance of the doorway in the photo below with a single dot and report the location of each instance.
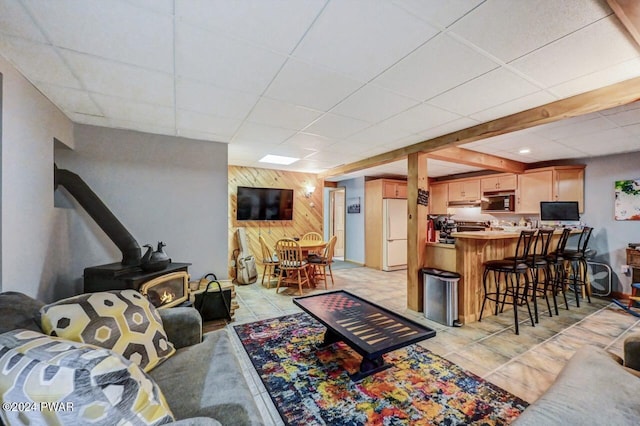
(337, 214)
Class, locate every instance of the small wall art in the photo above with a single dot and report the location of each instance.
(627, 204)
(353, 205)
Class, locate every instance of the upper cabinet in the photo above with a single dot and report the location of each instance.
(438, 198)
(464, 190)
(560, 183)
(506, 182)
(394, 189)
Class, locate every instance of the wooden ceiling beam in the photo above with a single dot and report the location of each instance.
(628, 11)
(477, 159)
(607, 97)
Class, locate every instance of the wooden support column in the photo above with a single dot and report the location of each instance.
(416, 229)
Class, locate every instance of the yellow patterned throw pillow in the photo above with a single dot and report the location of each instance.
(46, 380)
(123, 321)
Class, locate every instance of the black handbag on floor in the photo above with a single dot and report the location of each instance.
(212, 304)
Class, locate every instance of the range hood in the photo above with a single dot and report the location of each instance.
(464, 203)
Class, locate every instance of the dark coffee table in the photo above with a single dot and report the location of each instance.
(369, 329)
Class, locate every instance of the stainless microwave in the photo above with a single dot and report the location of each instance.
(498, 203)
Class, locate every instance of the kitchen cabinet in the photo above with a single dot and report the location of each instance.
(438, 198)
(464, 190)
(560, 183)
(394, 188)
(506, 182)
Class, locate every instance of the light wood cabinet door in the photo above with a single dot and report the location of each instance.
(569, 186)
(401, 190)
(499, 183)
(394, 189)
(438, 198)
(464, 190)
(456, 191)
(533, 188)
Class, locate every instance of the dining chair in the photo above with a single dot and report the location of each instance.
(312, 236)
(321, 263)
(269, 261)
(293, 268)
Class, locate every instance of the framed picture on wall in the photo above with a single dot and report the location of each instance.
(353, 205)
(627, 204)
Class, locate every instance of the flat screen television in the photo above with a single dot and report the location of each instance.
(264, 203)
(559, 210)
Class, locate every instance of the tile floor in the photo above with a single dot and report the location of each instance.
(524, 364)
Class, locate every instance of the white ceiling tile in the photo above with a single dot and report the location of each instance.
(511, 107)
(309, 141)
(439, 65)
(223, 128)
(329, 156)
(257, 21)
(362, 38)
(441, 13)
(70, 100)
(508, 143)
(353, 148)
(107, 32)
(420, 118)
(611, 146)
(310, 86)
(336, 126)
(142, 127)
(487, 91)
(611, 75)
(225, 62)
(594, 48)
(281, 114)
(372, 104)
(125, 109)
(452, 126)
(15, 21)
(126, 81)
(625, 118)
(571, 128)
(91, 120)
(256, 134)
(161, 6)
(200, 135)
(511, 29)
(208, 99)
(633, 129)
(549, 150)
(378, 134)
(594, 139)
(38, 62)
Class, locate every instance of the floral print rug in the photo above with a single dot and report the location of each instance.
(311, 386)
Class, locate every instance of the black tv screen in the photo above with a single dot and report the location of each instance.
(264, 204)
(559, 210)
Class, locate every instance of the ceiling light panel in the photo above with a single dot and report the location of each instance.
(362, 38)
(278, 159)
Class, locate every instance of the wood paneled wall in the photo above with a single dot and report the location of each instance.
(307, 212)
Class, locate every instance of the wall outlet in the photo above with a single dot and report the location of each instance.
(624, 269)
(232, 263)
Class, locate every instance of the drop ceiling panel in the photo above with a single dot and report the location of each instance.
(572, 129)
(15, 21)
(161, 6)
(336, 126)
(282, 114)
(373, 104)
(125, 109)
(142, 127)
(71, 100)
(625, 118)
(615, 146)
(222, 127)
(38, 62)
(208, 99)
(420, 118)
(255, 134)
(91, 120)
(362, 38)
(126, 81)
(222, 61)
(594, 48)
(511, 29)
(511, 107)
(108, 32)
(437, 66)
(443, 129)
(258, 21)
(378, 134)
(309, 141)
(605, 77)
(311, 86)
(440, 13)
(596, 139)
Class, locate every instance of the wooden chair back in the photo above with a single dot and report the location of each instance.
(328, 254)
(289, 254)
(267, 254)
(312, 236)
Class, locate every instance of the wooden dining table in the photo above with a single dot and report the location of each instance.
(307, 246)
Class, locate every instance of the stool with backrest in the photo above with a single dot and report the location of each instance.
(512, 270)
(556, 269)
(537, 262)
(321, 263)
(577, 259)
(293, 268)
(269, 261)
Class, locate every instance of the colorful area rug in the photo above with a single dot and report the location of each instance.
(310, 386)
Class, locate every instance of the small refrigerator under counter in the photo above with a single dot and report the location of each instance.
(394, 250)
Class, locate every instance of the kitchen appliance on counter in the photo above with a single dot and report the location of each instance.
(447, 226)
(467, 226)
(500, 202)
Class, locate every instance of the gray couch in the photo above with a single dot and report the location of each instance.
(202, 382)
(592, 389)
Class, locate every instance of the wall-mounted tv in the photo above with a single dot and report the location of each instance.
(264, 204)
(559, 210)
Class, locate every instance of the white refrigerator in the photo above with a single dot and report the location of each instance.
(394, 250)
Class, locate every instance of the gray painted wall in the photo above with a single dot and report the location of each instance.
(354, 223)
(161, 188)
(30, 122)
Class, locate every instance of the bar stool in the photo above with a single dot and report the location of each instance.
(512, 269)
(537, 262)
(577, 259)
(557, 271)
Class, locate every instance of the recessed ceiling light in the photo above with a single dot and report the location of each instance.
(278, 159)
(524, 151)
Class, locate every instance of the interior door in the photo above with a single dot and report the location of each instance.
(337, 220)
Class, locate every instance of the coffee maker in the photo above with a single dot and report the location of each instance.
(445, 226)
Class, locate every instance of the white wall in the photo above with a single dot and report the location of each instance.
(354, 222)
(161, 188)
(30, 123)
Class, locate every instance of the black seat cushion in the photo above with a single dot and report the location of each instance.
(506, 265)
